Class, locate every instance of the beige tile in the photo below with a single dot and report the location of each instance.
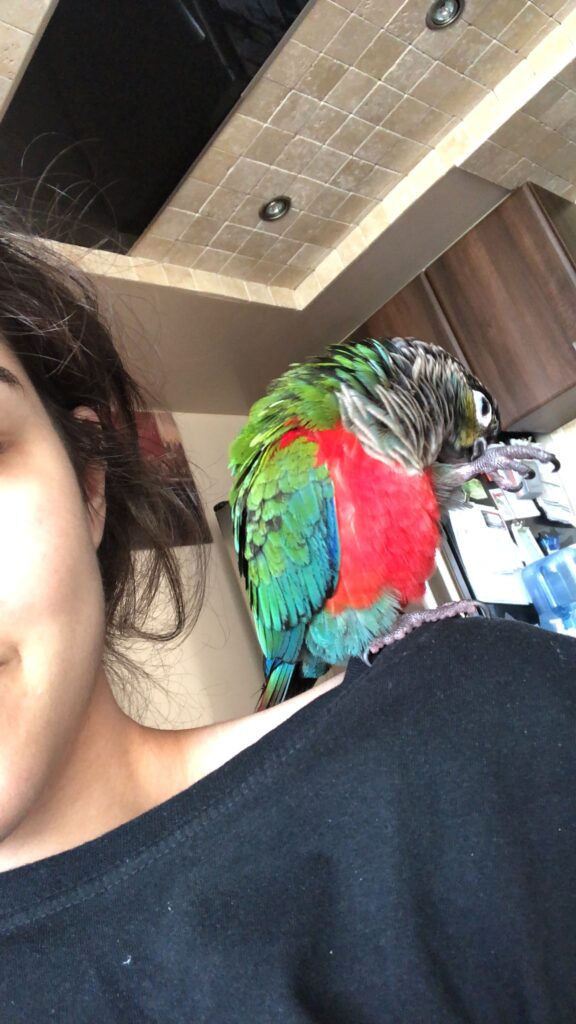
(328, 200)
(309, 256)
(351, 41)
(231, 237)
(456, 147)
(545, 99)
(493, 65)
(307, 228)
(381, 55)
(550, 7)
(212, 260)
(517, 175)
(221, 204)
(244, 175)
(410, 20)
(330, 233)
(233, 288)
(352, 134)
(320, 24)
(265, 271)
(307, 291)
(325, 164)
(468, 48)
(493, 16)
(436, 44)
(563, 162)
(257, 246)
(201, 231)
(172, 223)
(213, 166)
(378, 12)
(262, 99)
(293, 112)
(381, 101)
(207, 282)
(153, 274)
(290, 277)
(350, 90)
(351, 246)
(283, 249)
(298, 154)
(408, 118)
(179, 277)
(304, 191)
(526, 25)
(568, 75)
(353, 208)
(275, 182)
(352, 174)
(284, 297)
(448, 91)
(561, 112)
(408, 70)
(321, 77)
(237, 134)
(491, 161)
(552, 54)
(268, 144)
(184, 254)
(239, 266)
(329, 269)
(323, 123)
(13, 49)
(520, 85)
(191, 195)
(379, 182)
(247, 213)
(290, 63)
(151, 247)
(24, 14)
(258, 292)
(392, 151)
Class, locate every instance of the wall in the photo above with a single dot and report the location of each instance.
(563, 443)
(215, 674)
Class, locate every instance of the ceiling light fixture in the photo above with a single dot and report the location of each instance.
(443, 13)
(275, 208)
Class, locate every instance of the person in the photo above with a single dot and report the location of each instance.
(395, 844)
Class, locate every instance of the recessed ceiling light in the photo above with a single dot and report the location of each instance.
(443, 13)
(275, 208)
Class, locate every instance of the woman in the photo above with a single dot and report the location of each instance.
(396, 844)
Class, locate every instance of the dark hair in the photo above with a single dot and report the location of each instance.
(51, 320)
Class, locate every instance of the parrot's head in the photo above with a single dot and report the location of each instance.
(476, 422)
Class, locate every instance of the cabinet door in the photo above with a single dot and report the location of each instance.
(414, 312)
(508, 289)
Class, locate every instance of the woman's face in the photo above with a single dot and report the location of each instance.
(51, 598)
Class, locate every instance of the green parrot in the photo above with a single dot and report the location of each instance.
(339, 478)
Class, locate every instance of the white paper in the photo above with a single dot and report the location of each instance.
(491, 559)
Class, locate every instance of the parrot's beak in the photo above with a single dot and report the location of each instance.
(479, 447)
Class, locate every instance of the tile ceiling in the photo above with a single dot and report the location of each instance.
(357, 113)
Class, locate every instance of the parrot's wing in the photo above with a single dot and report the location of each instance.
(286, 538)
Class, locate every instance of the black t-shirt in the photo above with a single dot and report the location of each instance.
(402, 850)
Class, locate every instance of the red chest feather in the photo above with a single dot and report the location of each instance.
(387, 521)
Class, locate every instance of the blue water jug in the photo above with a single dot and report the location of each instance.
(551, 584)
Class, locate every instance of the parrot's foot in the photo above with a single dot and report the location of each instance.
(503, 457)
(411, 620)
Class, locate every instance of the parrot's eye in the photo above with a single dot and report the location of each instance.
(483, 408)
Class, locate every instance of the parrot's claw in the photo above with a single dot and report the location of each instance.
(499, 458)
(411, 620)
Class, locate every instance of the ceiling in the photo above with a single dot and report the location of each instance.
(210, 340)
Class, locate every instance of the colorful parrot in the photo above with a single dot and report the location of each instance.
(339, 478)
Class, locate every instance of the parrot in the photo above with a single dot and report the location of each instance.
(339, 479)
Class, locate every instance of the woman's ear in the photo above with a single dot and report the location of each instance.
(94, 482)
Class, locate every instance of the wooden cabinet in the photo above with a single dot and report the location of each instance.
(504, 298)
(415, 312)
